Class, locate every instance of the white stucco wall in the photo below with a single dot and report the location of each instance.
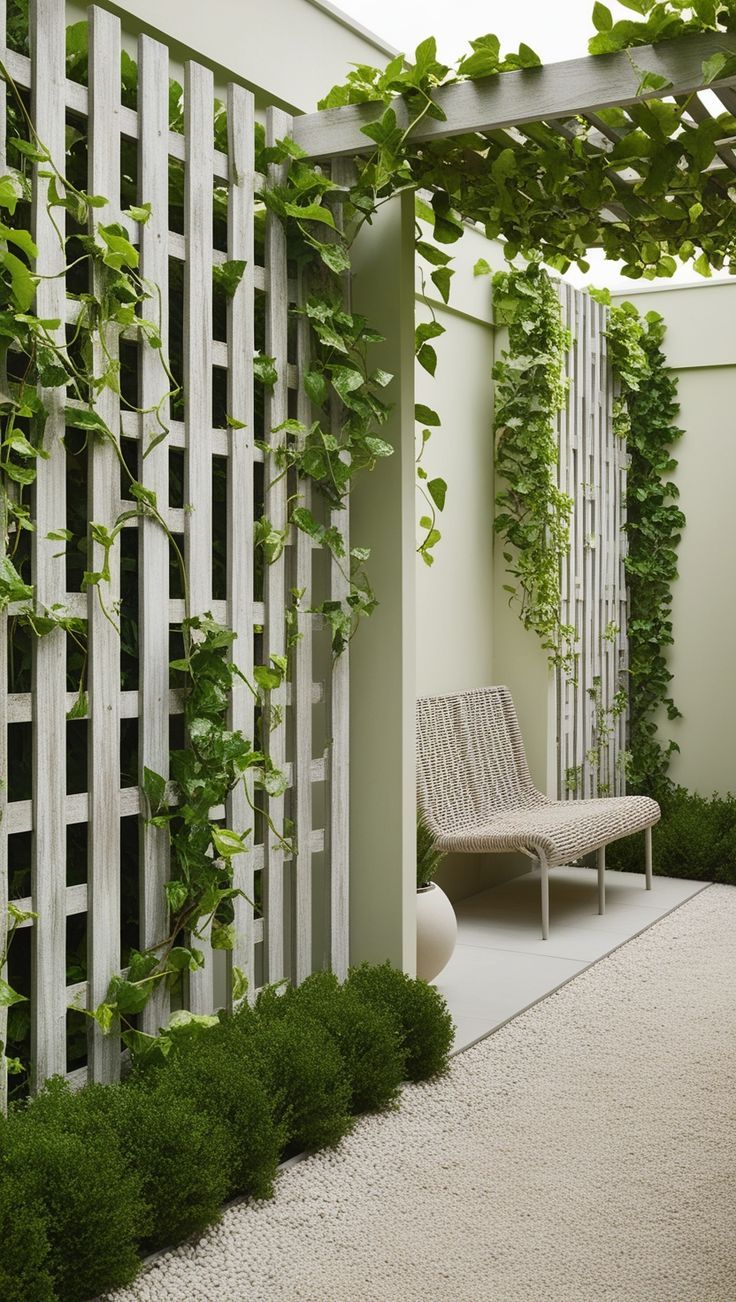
(700, 345)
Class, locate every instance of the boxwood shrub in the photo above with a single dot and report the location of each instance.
(179, 1153)
(67, 1157)
(418, 1013)
(303, 1070)
(365, 1035)
(88, 1181)
(695, 839)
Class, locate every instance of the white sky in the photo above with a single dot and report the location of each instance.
(556, 31)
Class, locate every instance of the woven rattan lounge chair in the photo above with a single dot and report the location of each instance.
(476, 793)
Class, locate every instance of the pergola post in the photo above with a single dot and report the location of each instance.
(382, 657)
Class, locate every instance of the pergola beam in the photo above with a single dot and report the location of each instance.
(559, 90)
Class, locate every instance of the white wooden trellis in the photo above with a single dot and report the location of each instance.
(592, 471)
(289, 901)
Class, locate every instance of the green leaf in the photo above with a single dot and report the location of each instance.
(345, 380)
(127, 996)
(85, 418)
(139, 213)
(702, 265)
(103, 1014)
(312, 212)
(223, 936)
(602, 19)
(12, 190)
(12, 587)
(432, 254)
(233, 423)
(177, 894)
(118, 252)
(441, 279)
(264, 369)
(437, 489)
(36, 153)
(154, 787)
(239, 984)
(226, 276)
(425, 415)
(80, 708)
(8, 996)
(226, 842)
(427, 358)
(23, 282)
(315, 387)
(144, 495)
(482, 268)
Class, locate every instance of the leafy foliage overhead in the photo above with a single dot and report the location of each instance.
(651, 185)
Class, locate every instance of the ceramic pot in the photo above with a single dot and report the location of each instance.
(436, 931)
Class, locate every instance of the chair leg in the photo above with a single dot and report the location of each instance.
(602, 879)
(648, 857)
(545, 896)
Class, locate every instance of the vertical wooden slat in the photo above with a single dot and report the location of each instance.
(104, 498)
(153, 577)
(198, 125)
(278, 125)
(302, 704)
(241, 346)
(3, 676)
(48, 865)
(339, 723)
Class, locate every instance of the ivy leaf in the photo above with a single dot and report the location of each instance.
(432, 254)
(441, 278)
(312, 212)
(437, 489)
(177, 894)
(12, 587)
(427, 358)
(9, 996)
(80, 708)
(118, 252)
(233, 423)
(345, 380)
(139, 213)
(144, 495)
(36, 153)
(239, 984)
(334, 256)
(223, 936)
(85, 418)
(12, 190)
(226, 276)
(602, 19)
(425, 415)
(315, 387)
(23, 282)
(226, 842)
(264, 369)
(103, 1015)
(154, 787)
(127, 996)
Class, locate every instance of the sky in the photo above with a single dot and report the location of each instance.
(556, 31)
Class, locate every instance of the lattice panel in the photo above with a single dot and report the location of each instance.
(591, 728)
(129, 687)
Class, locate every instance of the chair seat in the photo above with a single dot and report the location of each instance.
(563, 829)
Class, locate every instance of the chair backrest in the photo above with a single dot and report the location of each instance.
(471, 764)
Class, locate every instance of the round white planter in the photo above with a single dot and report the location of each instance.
(436, 931)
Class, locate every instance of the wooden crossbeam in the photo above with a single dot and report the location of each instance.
(573, 88)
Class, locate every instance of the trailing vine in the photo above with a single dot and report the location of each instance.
(532, 513)
(654, 527)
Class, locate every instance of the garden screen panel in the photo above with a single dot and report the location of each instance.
(75, 843)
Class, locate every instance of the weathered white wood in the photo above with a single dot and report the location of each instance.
(559, 90)
(198, 109)
(104, 641)
(593, 582)
(240, 505)
(339, 723)
(48, 864)
(153, 576)
(302, 693)
(278, 125)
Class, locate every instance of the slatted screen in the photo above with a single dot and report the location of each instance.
(592, 471)
(79, 856)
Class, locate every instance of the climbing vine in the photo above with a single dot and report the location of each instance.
(532, 513)
(654, 527)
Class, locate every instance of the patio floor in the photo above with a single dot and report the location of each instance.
(501, 964)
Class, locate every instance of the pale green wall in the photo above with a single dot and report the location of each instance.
(701, 348)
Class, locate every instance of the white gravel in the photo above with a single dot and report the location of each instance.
(585, 1152)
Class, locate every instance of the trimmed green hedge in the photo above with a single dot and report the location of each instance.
(91, 1180)
(696, 839)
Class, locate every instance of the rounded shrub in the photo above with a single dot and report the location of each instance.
(303, 1070)
(418, 1012)
(24, 1274)
(225, 1088)
(364, 1034)
(178, 1153)
(71, 1161)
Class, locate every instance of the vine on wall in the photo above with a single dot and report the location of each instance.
(532, 513)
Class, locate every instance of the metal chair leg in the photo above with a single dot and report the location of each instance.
(602, 879)
(545, 896)
(648, 857)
